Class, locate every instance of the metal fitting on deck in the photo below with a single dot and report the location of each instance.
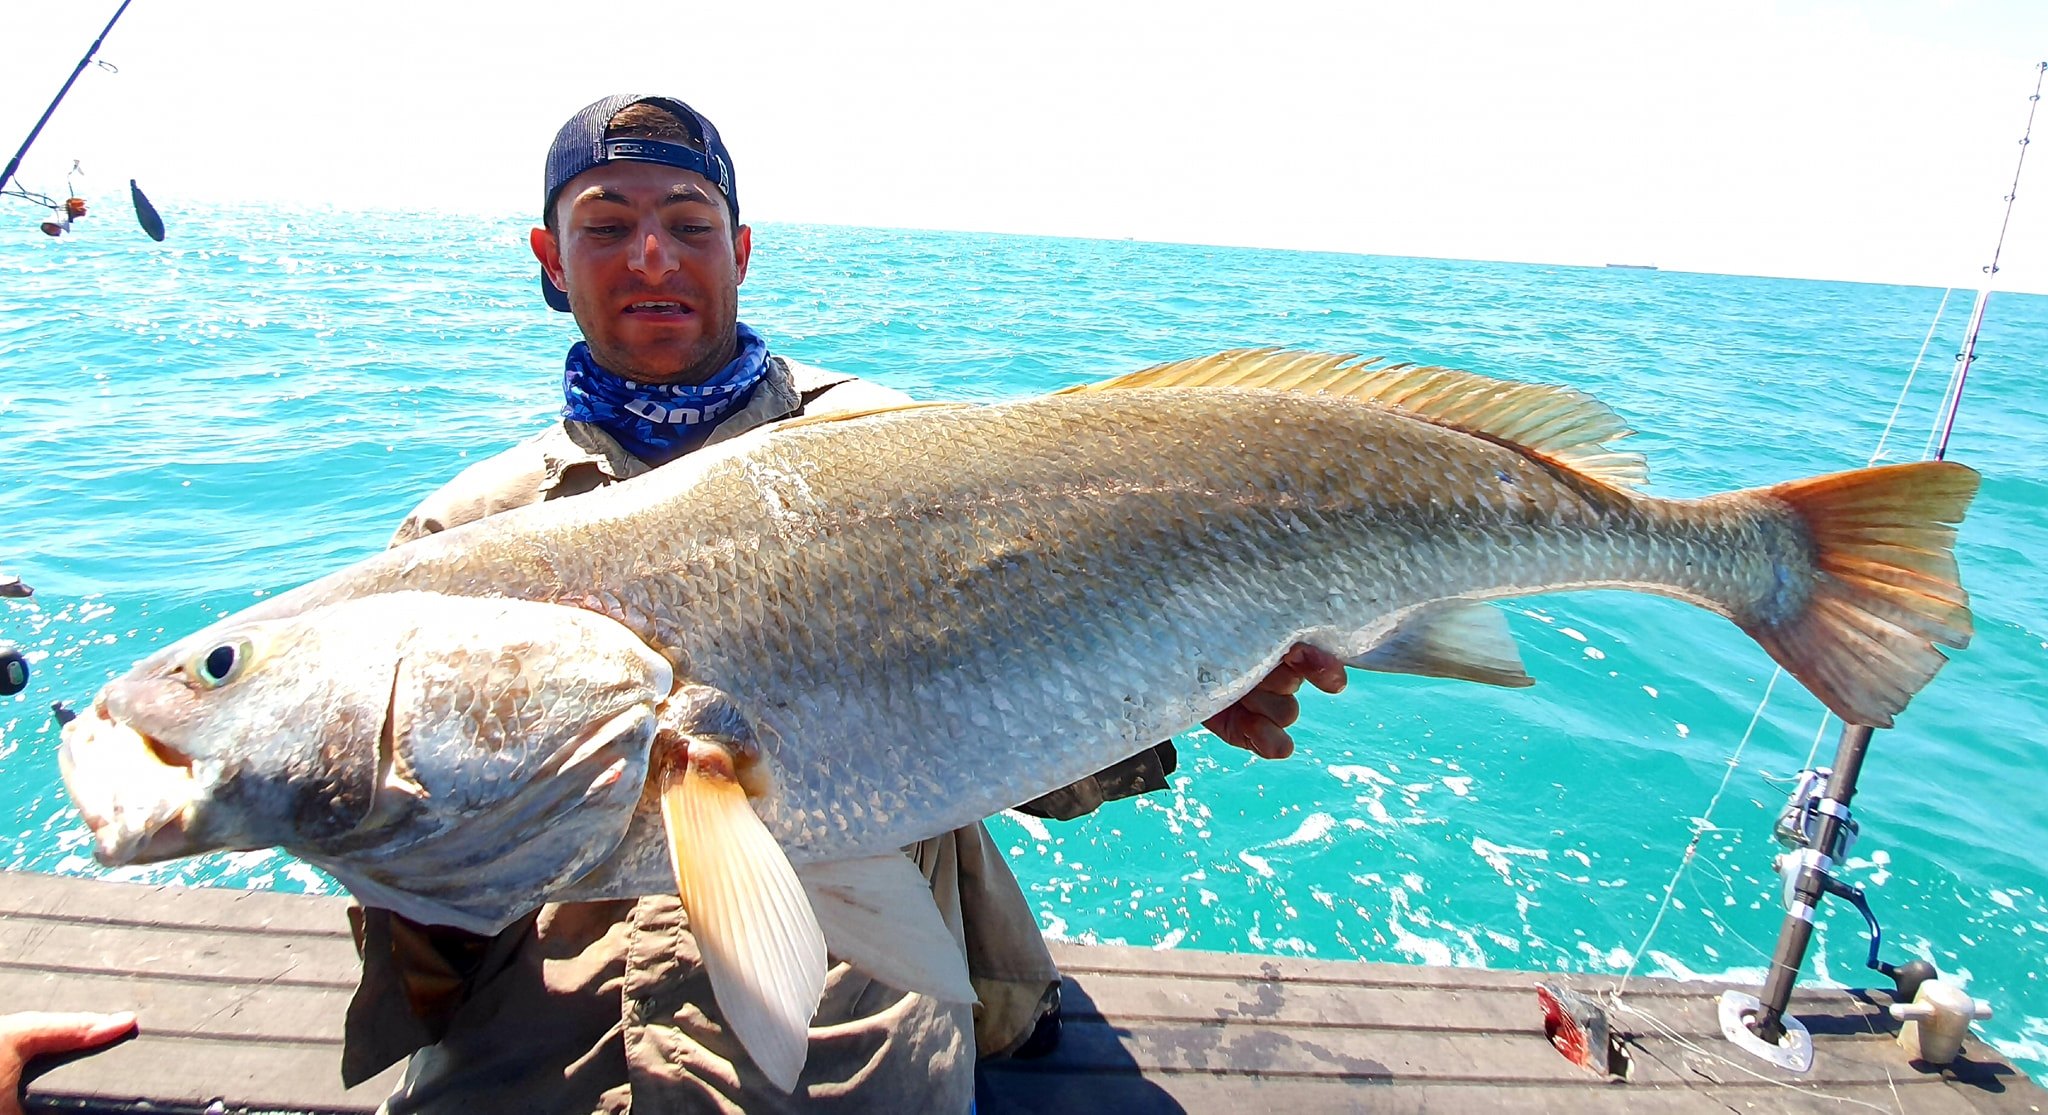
(1937, 1020)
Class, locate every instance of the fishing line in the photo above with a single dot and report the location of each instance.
(1819, 734)
(1910, 373)
(1936, 449)
(1704, 823)
(1690, 1046)
(1728, 930)
(1727, 896)
(1701, 825)
(1949, 395)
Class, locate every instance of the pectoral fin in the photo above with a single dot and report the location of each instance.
(879, 916)
(1459, 639)
(761, 943)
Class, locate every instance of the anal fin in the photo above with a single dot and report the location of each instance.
(1462, 639)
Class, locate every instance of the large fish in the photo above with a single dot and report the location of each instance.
(751, 676)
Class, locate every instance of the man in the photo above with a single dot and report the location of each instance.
(604, 1006)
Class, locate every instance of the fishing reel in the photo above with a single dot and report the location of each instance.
(1798, 822)
(1798, 829)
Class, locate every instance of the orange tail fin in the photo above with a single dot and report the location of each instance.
(1884, 587)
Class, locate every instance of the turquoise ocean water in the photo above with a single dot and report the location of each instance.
(185, 427)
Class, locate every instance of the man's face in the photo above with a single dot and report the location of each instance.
(648, 256)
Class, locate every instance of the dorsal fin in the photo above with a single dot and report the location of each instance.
(865, 412)
(1562, 425)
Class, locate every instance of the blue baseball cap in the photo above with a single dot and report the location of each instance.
(581, 144)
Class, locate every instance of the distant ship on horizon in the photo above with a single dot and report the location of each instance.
(1634, 266)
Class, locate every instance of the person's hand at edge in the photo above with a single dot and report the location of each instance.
(1258, 722)
(31, 1034)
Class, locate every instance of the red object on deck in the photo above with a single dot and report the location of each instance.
(1577, 1027)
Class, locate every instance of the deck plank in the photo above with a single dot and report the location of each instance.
(1014, 1090)
(176, 1008)
(242, 996)
(193, 1072)
(1312, 1003)
(1506, 1057)
(216, 908)
(1190, 963)
(198, 954)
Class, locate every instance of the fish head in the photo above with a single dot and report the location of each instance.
(252, 733)
(405, 741)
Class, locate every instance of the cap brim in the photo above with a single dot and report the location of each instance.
(557, 300)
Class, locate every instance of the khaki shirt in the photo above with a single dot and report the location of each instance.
(570, 458)
(604, 1006)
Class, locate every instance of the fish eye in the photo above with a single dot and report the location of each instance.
(221, 664)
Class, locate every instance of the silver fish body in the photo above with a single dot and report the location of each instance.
(933, 614)
(751, 676)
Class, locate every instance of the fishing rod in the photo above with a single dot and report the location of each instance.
(14, 164)
(13, 665)
(1969, 354)
(145, 213)
(1817, 824)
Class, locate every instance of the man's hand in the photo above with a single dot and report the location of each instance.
(1258, 721)
(31, 1034)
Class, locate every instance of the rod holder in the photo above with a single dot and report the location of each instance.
(1790, 1048)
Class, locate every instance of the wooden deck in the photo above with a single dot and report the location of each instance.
(241, 997)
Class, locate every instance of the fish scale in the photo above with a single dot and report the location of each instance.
(931, 614)
(1149, 547)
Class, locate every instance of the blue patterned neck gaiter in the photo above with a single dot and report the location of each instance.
(659, 422)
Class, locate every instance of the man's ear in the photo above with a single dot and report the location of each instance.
(742, 249)
(548, 250)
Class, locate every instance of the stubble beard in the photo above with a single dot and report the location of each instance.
(706, 357)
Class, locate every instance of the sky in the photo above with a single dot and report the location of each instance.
(1869, 140)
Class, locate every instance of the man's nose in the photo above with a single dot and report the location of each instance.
(654, 259)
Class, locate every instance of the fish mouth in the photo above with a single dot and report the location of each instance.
(136, 793)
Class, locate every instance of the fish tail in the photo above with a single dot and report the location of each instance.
(1883, 589)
